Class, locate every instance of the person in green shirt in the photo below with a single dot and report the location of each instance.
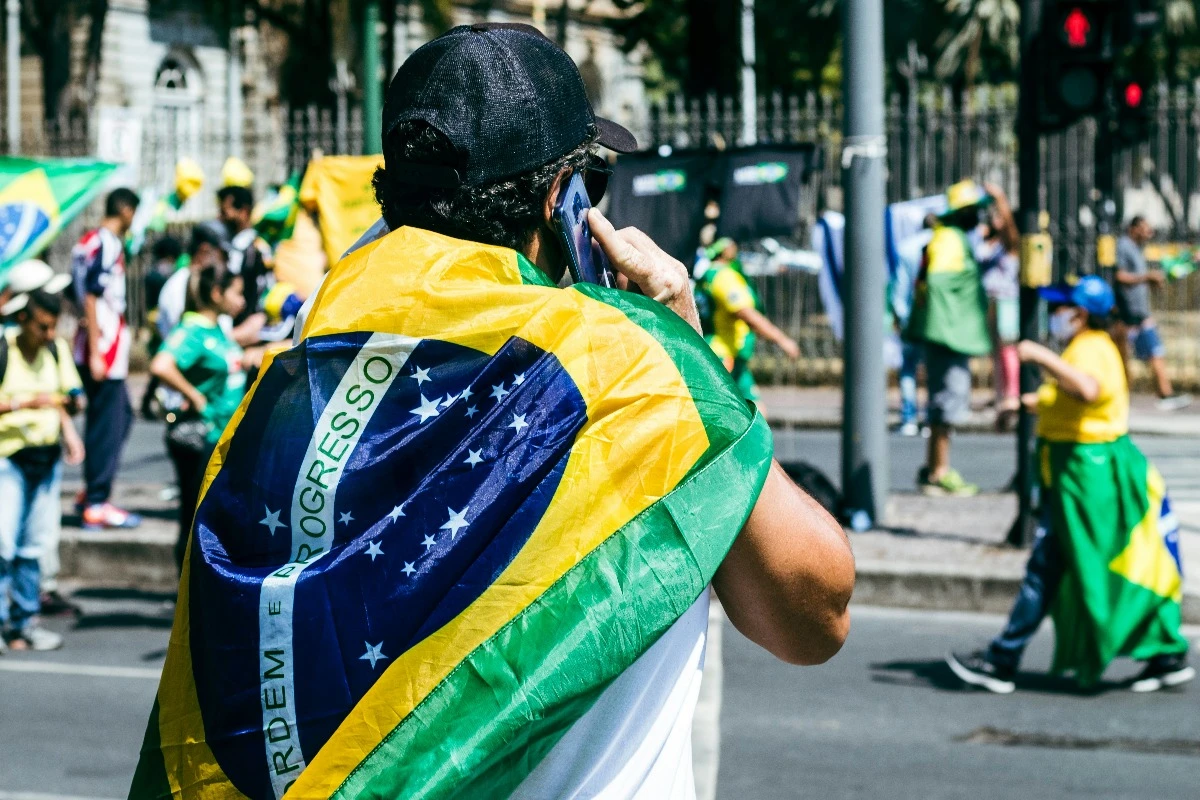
(949, 317)
(201, 361)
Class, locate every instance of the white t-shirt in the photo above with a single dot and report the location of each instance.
(98, 269)
(172, 299)
(635, 742)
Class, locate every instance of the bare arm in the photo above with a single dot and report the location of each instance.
(1071, 380)
(70, 439)
(248, 332)
(788, 577)
(96, 364)
(1006, 227)
(787, 580)
(163, 367)
(769, 331)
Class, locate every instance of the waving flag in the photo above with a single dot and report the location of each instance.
(38, 197)
(1115, 524)
(439, 527)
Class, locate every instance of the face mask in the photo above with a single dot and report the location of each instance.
(1062, 326)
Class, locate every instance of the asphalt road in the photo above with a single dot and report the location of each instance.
(882, 720)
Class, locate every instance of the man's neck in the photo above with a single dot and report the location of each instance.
(29, 348)
(114, 226)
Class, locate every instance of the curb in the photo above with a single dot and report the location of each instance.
(145, 560)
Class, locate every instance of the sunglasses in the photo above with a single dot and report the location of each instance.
(595, 178)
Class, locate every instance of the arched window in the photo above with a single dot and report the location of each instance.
(174, 127)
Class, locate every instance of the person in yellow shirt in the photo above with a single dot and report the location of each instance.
(733, 320)
(38, 386)
(1097, 492)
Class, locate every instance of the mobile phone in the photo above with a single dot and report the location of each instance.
(585, 260)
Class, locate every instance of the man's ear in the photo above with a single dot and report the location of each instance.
(552, 196)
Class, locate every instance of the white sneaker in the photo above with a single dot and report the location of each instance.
(910, 429)
(1156, 677)
(1174, 403)
(40, 639)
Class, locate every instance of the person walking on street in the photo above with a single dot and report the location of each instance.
(102, 354)
(1106, 558)
(201, 361)
(1136, 333)
(38, 387)
(734, 320)
(949, 317)
(999, 259)
(911, 253)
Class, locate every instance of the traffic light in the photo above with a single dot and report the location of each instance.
(1077, 50)
(1131, 120)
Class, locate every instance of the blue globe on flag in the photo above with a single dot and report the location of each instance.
(20, 225)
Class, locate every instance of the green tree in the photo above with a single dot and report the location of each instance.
(982, 41)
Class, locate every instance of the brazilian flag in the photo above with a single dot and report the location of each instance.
(439, 527)
(38, 197)
(1122, 594)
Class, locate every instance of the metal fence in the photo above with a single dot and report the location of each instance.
(934, 139)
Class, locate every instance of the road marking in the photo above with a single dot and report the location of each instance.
(40, 796)
(9, 664)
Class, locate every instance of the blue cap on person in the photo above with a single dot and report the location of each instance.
(1091, 293)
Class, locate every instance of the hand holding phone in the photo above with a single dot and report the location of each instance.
(586, 262)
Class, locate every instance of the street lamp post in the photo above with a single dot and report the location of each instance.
(749, 84)
(13, 7)
(864, 153)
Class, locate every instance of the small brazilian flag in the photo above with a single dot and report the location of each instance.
(38, 197)
(439, 527)
(1122, 591)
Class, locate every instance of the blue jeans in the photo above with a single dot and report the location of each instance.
(30, 516)
(911, 354)
(1043, 573)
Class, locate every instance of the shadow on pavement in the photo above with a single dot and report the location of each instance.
(124, 620)
(935, 674)
(114, 593)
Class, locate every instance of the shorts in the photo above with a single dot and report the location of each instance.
(1146, 342)
(949, 385)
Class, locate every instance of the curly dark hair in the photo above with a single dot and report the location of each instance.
(505, 213)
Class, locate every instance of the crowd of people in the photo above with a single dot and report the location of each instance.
(211, 327)
(955, 297)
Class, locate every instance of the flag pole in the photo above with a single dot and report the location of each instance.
(13, 7)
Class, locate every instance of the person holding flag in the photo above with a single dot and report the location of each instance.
(458, 541)
(1106, 560)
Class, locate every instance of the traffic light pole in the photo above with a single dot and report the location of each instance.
(864, 156)
(1029, 165)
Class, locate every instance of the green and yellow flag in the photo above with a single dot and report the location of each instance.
(38, 197)
(439, 527)
(1122, 593)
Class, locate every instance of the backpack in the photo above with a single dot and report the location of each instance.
(52, 347)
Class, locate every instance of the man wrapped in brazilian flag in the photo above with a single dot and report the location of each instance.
(457, 542)
(1106, 561)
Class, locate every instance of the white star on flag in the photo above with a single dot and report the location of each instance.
(429, 408)
(498, 392)
(457, 520)
(374, 653)
(421, 375)
(345, 518)
(374, 550)
(450, 398)
(396, 513)
(466, 393)
(519, 378)
(271, 520)
(472, 411)
(428, 542)
(518, 422)
(473, 458)
(409, 568)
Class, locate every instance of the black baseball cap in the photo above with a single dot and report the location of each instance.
(506, 97)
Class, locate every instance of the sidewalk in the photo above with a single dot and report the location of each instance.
(821, 407)
(936, 553)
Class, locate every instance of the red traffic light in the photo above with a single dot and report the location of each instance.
(1133, 95)
(1077, 29)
